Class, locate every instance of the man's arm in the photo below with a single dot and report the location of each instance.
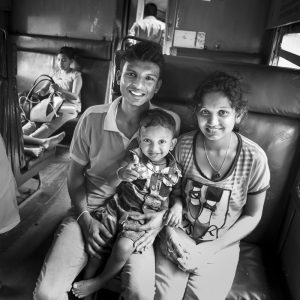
(90, 227)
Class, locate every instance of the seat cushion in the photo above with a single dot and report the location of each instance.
(256, 278)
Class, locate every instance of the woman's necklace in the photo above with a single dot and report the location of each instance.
(217, 173)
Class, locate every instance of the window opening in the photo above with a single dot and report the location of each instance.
(286, 47)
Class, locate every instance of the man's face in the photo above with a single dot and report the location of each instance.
(139, 81)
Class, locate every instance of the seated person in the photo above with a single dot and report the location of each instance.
(39, 145)
(68, 84)
(148, 178)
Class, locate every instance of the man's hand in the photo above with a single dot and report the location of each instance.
(93, 231)
(153, 220)
(152, 226)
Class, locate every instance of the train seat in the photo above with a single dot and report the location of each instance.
(274, 123)
(36, 55)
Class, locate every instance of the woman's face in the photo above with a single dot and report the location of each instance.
(63, 62)
(216, 117)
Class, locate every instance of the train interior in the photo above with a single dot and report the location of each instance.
(258, 41)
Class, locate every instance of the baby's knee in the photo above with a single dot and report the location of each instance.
(123, 248)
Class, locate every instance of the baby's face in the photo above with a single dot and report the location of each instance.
(156, 142)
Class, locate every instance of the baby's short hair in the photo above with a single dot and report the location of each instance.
(147, 51)
(157, 117)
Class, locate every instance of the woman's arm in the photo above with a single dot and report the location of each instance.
(90, 227)
(70, 95)
(190, 259)
(249, 219)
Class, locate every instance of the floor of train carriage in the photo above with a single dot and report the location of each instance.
(23, 249)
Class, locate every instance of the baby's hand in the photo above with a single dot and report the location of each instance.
(128, 173)
(174, 216)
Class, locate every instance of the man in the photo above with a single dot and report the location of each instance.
(149, 28)
(97, 149)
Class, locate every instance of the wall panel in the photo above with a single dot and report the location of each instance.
(86, 19)
(231, 25)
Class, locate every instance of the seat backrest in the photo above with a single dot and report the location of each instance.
(37, 55)
(273, 122)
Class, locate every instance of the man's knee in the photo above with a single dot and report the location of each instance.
(44, 292)
(139, 292)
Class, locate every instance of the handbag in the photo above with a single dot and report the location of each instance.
(46, 109)
(44, 112)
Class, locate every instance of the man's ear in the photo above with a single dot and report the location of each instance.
(118, 76)
(173, 143)
(158, 85)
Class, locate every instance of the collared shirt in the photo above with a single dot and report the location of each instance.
(100, 146)
(149, 28)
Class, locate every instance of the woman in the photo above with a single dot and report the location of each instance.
(68, 84)
(225, 178)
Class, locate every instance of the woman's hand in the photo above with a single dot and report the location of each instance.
(180, 249)
(146, 241)
(93, 231)
(55, 88)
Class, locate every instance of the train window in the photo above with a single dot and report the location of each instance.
(286, 48)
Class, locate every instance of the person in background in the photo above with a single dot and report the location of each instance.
(35, 146)
(68, 84)
(149, 28)
(9, 212)
(99, 144)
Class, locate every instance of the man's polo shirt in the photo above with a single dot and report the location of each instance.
(99, 145)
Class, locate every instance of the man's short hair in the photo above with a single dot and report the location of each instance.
(157, 117)
(144, 51)
(150, 10)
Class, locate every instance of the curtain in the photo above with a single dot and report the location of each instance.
(10, 123)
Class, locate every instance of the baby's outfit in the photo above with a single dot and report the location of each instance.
(150, 192)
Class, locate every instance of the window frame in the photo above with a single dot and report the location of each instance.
(277, 52)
